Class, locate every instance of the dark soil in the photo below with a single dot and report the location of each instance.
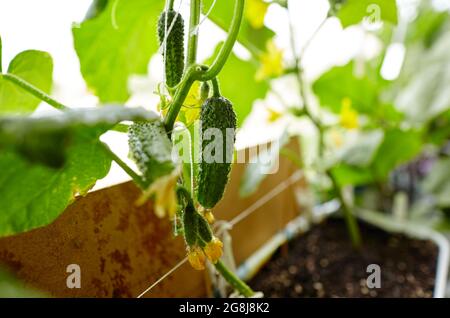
(322, 263)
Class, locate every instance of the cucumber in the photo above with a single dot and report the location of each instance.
(217, 115)
(151, 150)
(174, 50)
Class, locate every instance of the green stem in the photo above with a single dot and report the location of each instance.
(178, 99)
(227, 47)
(34, 91)
(201, 73)
(352, 225)
(136, 178)
(193, 32)
(350, 220)
(171, 2)
(216, 87)
(233, 280)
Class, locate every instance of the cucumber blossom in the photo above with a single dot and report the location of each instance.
(171, 22)
(151, 150)
(218, 134)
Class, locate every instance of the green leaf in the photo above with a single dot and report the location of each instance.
(45, 139)
(34, 195)
(237, 83)
(35, 67)
(426, 77)
(354, 11)
(253, 39)
(341, 83)
(346, 175)
(398, 147)
(116, 44)
(361, 152)
(257, 171)
(11, 287)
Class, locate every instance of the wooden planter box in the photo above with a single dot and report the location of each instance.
(122, 249)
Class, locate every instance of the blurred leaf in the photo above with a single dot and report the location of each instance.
(237, 83)
(34, 195)
(11, 287)
(354, 11)
(340, 83)
(428, 25)
(437, 182)
(426, 78)
(35, 67)
(257, 171)
(361, 152)
(346, 175)
(253, 39)
(97, 7)
(45, 139)
(398, 147)
(116, 44)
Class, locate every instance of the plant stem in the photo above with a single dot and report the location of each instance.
(227, 47)
(216, 87)
(350, 220)
(233, 280)
(136, 178)
(194, 21)
(352, 225)
(201, 73)
(34, 91)
(171, 2)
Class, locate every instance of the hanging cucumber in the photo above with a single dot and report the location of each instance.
(218, 133)
(171, 22)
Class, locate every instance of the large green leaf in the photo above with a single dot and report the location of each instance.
(45, 139)
(34, 195)
(253, 39)
(341, 83)
(354, 11)
(238, 84)
(116, 44)
(35, 67)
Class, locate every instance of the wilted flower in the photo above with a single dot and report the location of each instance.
(196, 258)
(213, 250)
(163, 189)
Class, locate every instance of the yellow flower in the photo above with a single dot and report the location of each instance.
(271, 62)
(196, 258)
(165, 196)
(273, 115)
(213, 250)
(192, 104)
(348, 116)
(256, 12)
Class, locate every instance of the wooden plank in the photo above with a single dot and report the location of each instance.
(122, 249)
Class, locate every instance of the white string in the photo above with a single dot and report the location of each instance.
(195, 30)
(240, 217)
(163, 277)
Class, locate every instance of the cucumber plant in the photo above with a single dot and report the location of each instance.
(160, 174)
